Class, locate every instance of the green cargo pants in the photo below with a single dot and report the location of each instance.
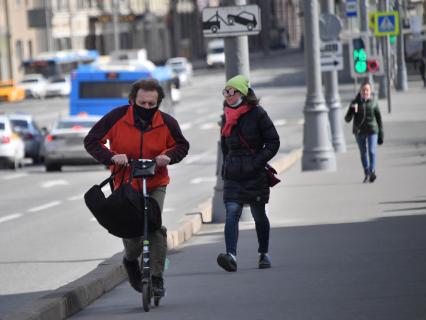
(157, 241)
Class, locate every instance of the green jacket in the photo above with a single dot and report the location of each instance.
(368, 119)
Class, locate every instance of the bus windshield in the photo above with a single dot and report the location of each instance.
(57, 63)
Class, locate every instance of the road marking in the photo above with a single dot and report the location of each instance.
(14, 176)
(45, 206)
(301, 121)
(74, 198)
(202, 179)
(185, 126)
(54, 183)
(10, 217)
(280, 122)
(168, 209)
(209, 125)
(193, 158)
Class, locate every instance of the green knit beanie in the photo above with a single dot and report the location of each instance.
(240, 83)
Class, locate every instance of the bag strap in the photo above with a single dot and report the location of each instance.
(267, 165)
(110, 179)
(245, 142)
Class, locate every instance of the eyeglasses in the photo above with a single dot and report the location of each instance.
(150, 104)
(229, 92)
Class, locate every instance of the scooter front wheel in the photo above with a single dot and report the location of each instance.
(146, 296)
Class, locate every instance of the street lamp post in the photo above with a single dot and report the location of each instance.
(318, 153)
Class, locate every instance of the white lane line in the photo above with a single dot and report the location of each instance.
(209, 125)
(301, 121)
(193, 158)
(280, 122)
(168, 209)
(202, 179)
(45, 206)
(54, 183)
(185, 126)
(10, 217)
(14, 176)
(74, 198)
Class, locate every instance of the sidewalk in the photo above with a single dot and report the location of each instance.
(341, 249)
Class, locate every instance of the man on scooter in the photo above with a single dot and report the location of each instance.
(141, 131)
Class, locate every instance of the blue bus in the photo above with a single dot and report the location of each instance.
(58, 63)
(98, 88)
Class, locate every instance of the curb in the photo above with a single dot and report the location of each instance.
(75, 296)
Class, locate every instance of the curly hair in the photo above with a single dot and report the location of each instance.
(146, 85)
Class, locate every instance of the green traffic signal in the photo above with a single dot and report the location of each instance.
(360, 60)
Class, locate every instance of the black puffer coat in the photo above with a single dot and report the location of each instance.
(244, 176)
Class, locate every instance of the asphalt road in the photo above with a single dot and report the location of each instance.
(49, 236)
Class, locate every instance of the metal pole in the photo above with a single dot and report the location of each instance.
(48, 17)
(332, 97)
(318, 153)
(115, 25)
(387, 58)
(236, 62)
(401, 80)
(364, 29)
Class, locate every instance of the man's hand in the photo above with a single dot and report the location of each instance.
(162, 160)
(120, 159)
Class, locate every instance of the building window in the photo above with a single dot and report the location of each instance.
(19, 51)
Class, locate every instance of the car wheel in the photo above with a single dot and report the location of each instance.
(214, 29)
(230, 20)
(250, 26)
(52, 166)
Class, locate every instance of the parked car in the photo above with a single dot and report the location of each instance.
(183, 69)
(63, 145)
(12, 148)
(34, 85)
(10, 92)
(25, 126)
(58, 86)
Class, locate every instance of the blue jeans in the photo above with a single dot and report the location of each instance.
(367, 145)
(233, 214)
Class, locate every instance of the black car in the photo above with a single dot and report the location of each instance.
(245, 18)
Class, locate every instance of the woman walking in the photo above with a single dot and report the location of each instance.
(248, 140)
(367, 128)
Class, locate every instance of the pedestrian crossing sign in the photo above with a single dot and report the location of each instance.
(386, 23)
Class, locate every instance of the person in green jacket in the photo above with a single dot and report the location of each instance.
(367, 128)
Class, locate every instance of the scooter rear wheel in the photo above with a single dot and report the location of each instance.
(146, 296)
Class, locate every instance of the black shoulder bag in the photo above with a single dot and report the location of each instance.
(121, 213)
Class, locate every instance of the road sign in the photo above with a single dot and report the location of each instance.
(332, 63)
(351, 8)
(331, 56)
(387, 23)
(330, 26)
(231, 21)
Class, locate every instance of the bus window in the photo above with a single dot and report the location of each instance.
(105, 90)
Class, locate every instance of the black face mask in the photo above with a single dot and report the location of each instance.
(143, 116)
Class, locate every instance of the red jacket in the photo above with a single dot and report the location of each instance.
(117, 127)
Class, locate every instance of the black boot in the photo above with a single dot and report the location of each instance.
(134, 274)
(372, 177)
(227, 262)
(158, 286)
(264, 261)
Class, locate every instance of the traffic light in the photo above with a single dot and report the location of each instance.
(359, 56)
(363, 63)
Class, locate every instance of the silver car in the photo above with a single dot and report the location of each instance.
(64, 143)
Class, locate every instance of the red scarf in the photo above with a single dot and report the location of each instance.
(232, 115)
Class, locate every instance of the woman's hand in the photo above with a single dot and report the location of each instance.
(120, 159)
(355, 107)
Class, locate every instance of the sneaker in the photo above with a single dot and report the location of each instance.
(227, 262)
(134, 274)
(264, 261)
(373, 176)
(158, 286)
